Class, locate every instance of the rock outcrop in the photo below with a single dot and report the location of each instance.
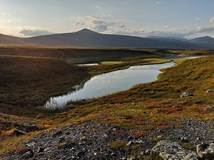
(169, 150)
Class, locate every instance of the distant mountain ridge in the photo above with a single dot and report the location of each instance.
(90, 39)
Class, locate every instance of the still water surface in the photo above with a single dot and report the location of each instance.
(109, 83)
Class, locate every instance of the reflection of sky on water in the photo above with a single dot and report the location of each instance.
(109, 83)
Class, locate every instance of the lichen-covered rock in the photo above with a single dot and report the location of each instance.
(205, 151)
(169, 150)
(186, 94)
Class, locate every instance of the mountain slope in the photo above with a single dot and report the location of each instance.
(5, 39)
(206, 41)
(90, 39)
(87, 38)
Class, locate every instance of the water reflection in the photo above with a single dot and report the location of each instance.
(89, 64)
(109, 83)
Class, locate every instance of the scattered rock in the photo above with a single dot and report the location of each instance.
(184, 139)
(129, 143)
(206, 151)
(27, 155)
(40, 149)
(186, 94)
(18, 132)
(131, 137)
(31, 127)
(57, 134)
(90, 140)
(169, 150)
(105, 135)
(84, 138)
(145, 153)
(32, 144)
(138, 142)
(131, 158)
(47, 149)
(208, 108)
(210, 91)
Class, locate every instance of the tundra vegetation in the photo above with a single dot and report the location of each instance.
(29, 76)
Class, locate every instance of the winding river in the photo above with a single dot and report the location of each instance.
(109, 83)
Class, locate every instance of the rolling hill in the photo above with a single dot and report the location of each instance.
(34, 79)
(90, 39)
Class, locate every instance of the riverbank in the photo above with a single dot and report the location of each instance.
(108, 83)
(156, 102)
(124, 64)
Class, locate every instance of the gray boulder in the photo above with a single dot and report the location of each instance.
(205, 151)
(169, 150)
(186, 94)
(210, 91)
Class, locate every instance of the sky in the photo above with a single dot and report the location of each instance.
(167, 18)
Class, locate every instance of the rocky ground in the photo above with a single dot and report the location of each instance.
(93, 140)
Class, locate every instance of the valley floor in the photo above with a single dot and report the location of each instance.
(125, 125)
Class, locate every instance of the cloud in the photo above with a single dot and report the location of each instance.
(154, 33)
(100, 27)
(79, 23)
(159, 2)
(34, 32)
(205, 29)
(7, 26)
(169, 31)
(212, 20)
(110, 26)
(122, 26)
(167, 26)
(97, 23)
(10, 26)
(197, 18)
